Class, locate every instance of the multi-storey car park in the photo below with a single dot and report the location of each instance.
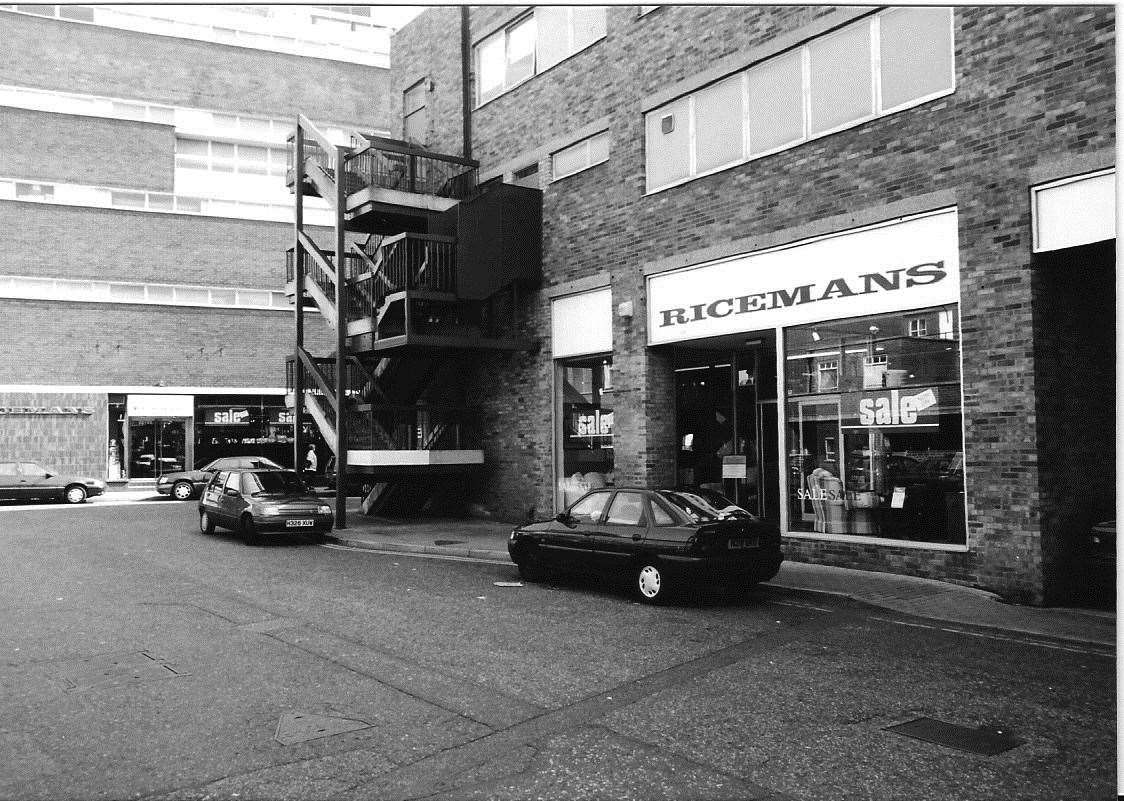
(142, 191)
(854, 267)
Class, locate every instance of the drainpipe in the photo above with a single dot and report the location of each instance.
(466, 83)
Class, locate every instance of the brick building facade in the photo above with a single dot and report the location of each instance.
(142, 283)
(1015, 458)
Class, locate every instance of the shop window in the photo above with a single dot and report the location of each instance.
(586, 426)
(877, 449)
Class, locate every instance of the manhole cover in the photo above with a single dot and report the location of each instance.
(448, 542)
(984, 740)
(299, 727)
(108, 670)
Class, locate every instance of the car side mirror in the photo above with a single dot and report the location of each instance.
(565, 518)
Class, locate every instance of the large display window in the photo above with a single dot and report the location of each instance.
(585, 426)
(874, 433)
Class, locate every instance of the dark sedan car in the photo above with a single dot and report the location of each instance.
(30, 481)
(253, 502)
(659, 540)
(186, 485)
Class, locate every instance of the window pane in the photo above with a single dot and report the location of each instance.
(191, 147)
(718, 124)
(251, 153)
(841, 78)
(589, 25)
(248, 297)
(553, 39)
(571, 160)
(192, 296)
(490, 67)
(128, 200)
(416, 124)
(222, 150)
(126, 292)
(520, 52)
(599, 148)
(414, 98)
(627, 509)
(160, 202)
(222, 297)
(589, 510)
(916, 48)
(776, 112)
(667, 155)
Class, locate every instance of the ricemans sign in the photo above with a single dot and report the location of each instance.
(901, 265)
(21, 410)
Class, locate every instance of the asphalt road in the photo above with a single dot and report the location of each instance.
(142, 659)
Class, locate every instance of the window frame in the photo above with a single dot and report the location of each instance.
(804, 49)
(505, 30)
(422, 88)
(589, 164)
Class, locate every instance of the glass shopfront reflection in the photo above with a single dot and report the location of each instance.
(156, 447)
(874, 427)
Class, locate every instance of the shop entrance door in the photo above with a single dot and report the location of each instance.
(156, 446)
(726, 421)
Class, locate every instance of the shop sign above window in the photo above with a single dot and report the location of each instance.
(889, 267)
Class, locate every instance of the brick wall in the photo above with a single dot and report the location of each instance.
(88, 59)
(68, 443)
(110, 244)
(1031, 82)
(86, 150)
(59, 344)
(412, 60)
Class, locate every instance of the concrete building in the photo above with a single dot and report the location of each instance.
(852, 266)
(144, 215)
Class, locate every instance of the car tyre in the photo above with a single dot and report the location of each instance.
(650, 584)
(76, 493)
(206, 523)
(249, 531)
(183, 490)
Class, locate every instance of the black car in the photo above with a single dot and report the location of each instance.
(659, 540)
(184, 486)
(253, 502)
(30, 481)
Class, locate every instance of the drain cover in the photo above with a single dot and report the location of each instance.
(112, 670)
(298, 727)
(984, 740)
(448, 542)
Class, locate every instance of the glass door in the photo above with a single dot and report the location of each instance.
(156, 447)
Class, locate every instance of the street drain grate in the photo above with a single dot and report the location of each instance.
(448, 542)
(299, 727)
(984, 740)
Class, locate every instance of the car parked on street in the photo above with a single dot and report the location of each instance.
(30, 481)
(253, 502)
(185, 485)
(659, 540)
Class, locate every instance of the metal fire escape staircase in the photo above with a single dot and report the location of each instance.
(426, 266)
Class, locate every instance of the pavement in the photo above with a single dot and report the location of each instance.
(924, 598)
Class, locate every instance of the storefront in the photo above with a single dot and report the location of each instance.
(582, 345)
(150, 435)
(819, 383)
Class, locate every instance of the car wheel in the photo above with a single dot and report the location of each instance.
(249, 530)
(206, 523)
(183, 490)
(650, 583)
(75, 494)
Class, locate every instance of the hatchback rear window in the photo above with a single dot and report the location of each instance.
(273, 482)
(694, 506)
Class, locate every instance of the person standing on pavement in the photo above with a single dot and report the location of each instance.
(310, 462)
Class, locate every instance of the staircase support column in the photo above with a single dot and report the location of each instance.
(298, 276)
(341, 343)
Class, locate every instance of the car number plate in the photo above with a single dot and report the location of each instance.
(744, 542)
(299, 523)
